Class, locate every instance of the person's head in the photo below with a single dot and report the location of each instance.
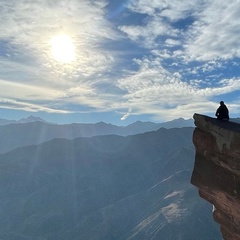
(222, 103)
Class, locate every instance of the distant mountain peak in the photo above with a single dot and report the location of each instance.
(30, 119)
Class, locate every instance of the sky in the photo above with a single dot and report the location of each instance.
(118, 61)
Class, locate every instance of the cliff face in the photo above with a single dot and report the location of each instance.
(216, 171)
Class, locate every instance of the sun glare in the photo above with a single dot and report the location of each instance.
(62, 49)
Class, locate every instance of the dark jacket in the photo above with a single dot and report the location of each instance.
(222, 112)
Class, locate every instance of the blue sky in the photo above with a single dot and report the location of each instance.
(130, 60)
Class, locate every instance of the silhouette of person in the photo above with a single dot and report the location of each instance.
(222, 112)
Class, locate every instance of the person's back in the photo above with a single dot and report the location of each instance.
(222, 112)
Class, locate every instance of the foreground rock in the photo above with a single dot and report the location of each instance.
(216, 171)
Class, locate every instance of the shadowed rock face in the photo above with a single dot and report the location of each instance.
(216, 171)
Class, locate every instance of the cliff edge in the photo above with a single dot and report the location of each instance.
(216, 171)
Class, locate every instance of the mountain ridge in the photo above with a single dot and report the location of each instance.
(22, 120)
(22, 134)
(104, 187)
(179, 121)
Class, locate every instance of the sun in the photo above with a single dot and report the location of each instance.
(62, 49)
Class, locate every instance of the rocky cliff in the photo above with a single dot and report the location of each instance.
(216, 171)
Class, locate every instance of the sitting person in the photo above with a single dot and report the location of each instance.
(222, 112)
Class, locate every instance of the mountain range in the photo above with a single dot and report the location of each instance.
(180, 122)
(34, 130)
(107, 187)
(22, 120)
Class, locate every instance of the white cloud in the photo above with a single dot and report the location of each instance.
(147, 34)
(212, 35)
(215, 35)
(163, 54)
(156, 25)
(29, 26)
(30, 107)
(26, 21)
(28, 92)
(125, 116)
(154, 90)
(173, 10)
(28, 70)
(159, 84)
(171, 42)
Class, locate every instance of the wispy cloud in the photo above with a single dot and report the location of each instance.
(215, 33)
(27, 28)
(18, 104)
(124, 117)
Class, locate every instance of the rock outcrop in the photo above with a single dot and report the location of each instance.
(216, 171)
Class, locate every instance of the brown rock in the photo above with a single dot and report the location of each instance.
(216, 171)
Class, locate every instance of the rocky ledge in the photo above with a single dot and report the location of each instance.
(216, 171)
